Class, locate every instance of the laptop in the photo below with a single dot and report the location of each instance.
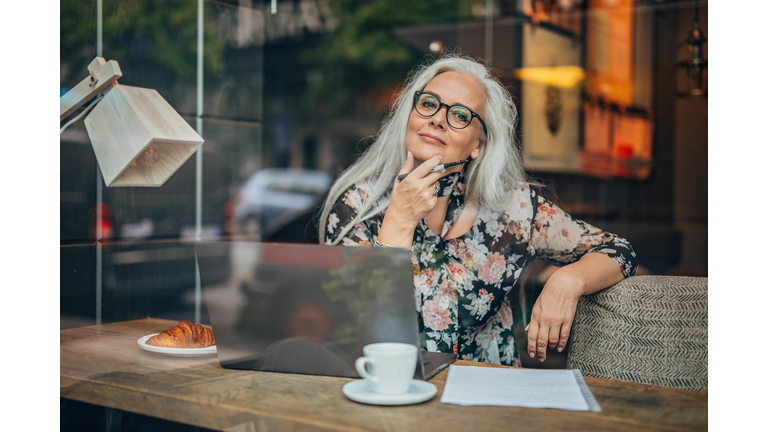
(310, 309)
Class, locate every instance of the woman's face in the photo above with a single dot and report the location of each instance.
(427, 137)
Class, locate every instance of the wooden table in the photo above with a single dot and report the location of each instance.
(103, 365)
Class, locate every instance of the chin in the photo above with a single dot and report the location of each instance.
(423, 155)
(422, 152)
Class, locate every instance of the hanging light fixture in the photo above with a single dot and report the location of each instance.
(695, 67)
(558, 76)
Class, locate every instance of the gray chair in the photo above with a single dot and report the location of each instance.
(645, 329)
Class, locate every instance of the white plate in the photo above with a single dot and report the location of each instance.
(360, 391)
(177, 352)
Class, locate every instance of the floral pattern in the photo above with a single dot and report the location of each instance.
(461, 284)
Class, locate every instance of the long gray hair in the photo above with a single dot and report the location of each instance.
(490, 179)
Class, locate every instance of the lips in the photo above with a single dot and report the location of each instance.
(431, 139)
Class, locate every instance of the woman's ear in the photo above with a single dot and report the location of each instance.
(476, 152)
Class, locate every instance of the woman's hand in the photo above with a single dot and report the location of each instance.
(412, 199)
(553, 312)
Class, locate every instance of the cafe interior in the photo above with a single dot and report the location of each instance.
(200, 138)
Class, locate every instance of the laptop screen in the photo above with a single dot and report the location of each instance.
(308, 309)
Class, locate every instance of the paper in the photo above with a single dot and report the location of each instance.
(532, 388)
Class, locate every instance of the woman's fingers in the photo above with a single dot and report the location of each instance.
(538, 333)
(422, 170)
(541, 342)
(545, 331)
(554, 337)
(552, 314)
(565, 332)
(408, 167)
(533, 331)
(431, 178)
(416, 175)
(415, 196)
(421, 181)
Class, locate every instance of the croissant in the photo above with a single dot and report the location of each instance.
(185, 335)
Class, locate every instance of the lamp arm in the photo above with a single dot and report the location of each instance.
(102, 75)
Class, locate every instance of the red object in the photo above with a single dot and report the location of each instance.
(624, 152)
(103, 212)
(229, 219)
(309, 258)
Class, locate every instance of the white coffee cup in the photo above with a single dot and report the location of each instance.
(389, 367)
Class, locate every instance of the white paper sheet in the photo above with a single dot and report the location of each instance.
(533, 388)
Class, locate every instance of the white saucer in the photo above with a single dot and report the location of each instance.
(360, 391)
(176, 352)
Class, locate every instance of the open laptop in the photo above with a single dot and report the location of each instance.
(310, 309)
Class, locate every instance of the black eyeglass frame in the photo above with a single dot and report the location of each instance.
(448, 108)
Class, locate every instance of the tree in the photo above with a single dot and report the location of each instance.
(363, 54)
(160, 35)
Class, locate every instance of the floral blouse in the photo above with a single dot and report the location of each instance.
(461, 284)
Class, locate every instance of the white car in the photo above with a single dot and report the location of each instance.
(274, 197)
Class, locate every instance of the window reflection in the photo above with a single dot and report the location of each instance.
(290, 98)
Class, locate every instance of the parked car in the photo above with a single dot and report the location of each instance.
(274, 198)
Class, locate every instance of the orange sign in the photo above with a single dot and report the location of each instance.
(609, 50)
(616, 144)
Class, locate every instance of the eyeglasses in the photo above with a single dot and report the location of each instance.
(457, 116)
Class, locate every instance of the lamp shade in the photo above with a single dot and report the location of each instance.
(132, 121)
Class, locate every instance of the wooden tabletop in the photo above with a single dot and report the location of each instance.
(104, 365)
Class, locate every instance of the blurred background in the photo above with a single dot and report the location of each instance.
(612, 96)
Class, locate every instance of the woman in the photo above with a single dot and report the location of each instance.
(473, 227)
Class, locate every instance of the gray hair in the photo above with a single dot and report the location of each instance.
(490, 179)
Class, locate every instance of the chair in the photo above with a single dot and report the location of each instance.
(645, 329)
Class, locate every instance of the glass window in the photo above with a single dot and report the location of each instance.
(611, 96)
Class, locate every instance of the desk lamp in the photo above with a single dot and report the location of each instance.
(138, 138)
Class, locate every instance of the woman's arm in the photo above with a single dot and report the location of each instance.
(552, 314)
(344, 210)
(594, 261)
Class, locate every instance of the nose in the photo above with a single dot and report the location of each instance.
(438, 119)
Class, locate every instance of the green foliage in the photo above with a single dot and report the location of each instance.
(377, 283)
(363, 53)
(363, 286)
(161, 35)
